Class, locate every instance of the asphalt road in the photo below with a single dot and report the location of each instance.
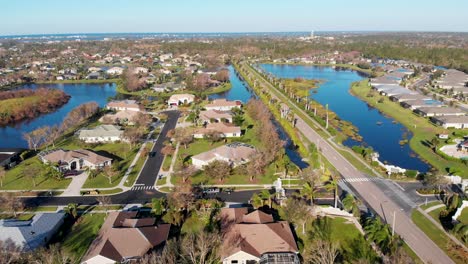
(384, 198)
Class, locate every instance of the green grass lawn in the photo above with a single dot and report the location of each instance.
(75, 241)
(463, 218)
(300, 88)
(436, 212)
(423, 131)
(20, 217)
(161, 181)
(437, 235)
(16, 180)
(167, 162)
(42, 209)
(343, 230)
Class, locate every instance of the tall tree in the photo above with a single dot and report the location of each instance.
(201, 248)
(217, 169)
(183, 135)
(11, 202)
(2, 175)
(104, 201)
(72, 210)
(320, 252)
(109, 172)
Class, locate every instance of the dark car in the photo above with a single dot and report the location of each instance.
(152, 154)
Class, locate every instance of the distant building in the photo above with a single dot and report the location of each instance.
(124, 238)
(31, 234)
(115, 71)
(126, 117)
(439, 111)
(256, 238)
(213, 116)
(458, 122)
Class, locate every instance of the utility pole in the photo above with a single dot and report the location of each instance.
(326, 126)
(393, 225)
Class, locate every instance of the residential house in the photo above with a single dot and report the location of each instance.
(452, 79)
(33, 233)
(102, 133)
(178, 99)
(115, 71)
(384, 80)
(458, 122)
(408, 97)
(139, 70)
(124, 238)
(439, 111)
(80, 159)
(223, 105)
(256, 238)
(415, 104)
(128, 105)
(124, 117)
(235, 154)
(212, 116)
(224, 130)
(392, 90)
(168, 87)
(94, 76)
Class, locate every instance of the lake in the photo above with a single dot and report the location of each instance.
(12, 136)
(334, 91)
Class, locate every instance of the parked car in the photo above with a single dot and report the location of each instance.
(211, 191)
(228, 190)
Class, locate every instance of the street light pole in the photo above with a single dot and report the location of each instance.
(393, 225)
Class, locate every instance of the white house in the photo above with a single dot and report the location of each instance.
(224, 130)
(115, 71)
(235, 154)
(458, 122)
(223, 105)
(102, 133)
(178, 99)
(129, 105)
(138, 70)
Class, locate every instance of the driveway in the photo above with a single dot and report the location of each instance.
(75, 186)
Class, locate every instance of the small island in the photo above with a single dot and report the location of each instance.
(300, 86)
(27, 104)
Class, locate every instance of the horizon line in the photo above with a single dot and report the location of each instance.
(239, 32)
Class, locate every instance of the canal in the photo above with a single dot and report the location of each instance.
(380, 132)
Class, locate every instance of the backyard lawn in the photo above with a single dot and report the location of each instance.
(463, 218)
(76, 239)
(15, 179)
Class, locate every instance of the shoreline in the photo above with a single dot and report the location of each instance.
(421, 130)
(349, 66)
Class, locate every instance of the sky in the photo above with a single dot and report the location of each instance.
(18, 17)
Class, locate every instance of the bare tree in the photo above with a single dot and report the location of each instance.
(32, 171)
(36, 137)
(183, 136)
(320, 252)
(133, 135)
(185, 172)
(2, 175)
(168, 150)
(110, 173)
(201, 248)
(11, 203)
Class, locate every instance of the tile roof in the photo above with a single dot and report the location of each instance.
(60, 155)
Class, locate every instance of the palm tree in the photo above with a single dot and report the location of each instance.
(350, 204)
(256, 201)
(309, 191)
(266, 195)
(332, 185)
(435, 142)
(72, 209)
(379, 233)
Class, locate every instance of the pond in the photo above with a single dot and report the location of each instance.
(12, 136)
(380, 132)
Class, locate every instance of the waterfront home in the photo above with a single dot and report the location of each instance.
(384, 80)
(224, 130)
(415, 104)
(94, 76)
(256, 238)
(80, 159)
(452, 79)
(213, 116)
(124, 117)
(33, 233)
(95, 69)
(124, 238)
(115, 71)
(139, 70)
(235, 154)
(102, 133)
(223, 105)
(408, 97)
(129, 105)
(458, 122)
(391, 90)
(178, 99)
(439, 111)
(168, 87)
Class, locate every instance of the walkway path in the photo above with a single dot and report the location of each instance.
(432, 208)
(168, 174)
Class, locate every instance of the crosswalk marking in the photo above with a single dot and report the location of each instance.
(142, 187)
(363, 179)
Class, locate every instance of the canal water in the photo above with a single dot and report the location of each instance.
(242, 92)
(380, 132)
(12, 136)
